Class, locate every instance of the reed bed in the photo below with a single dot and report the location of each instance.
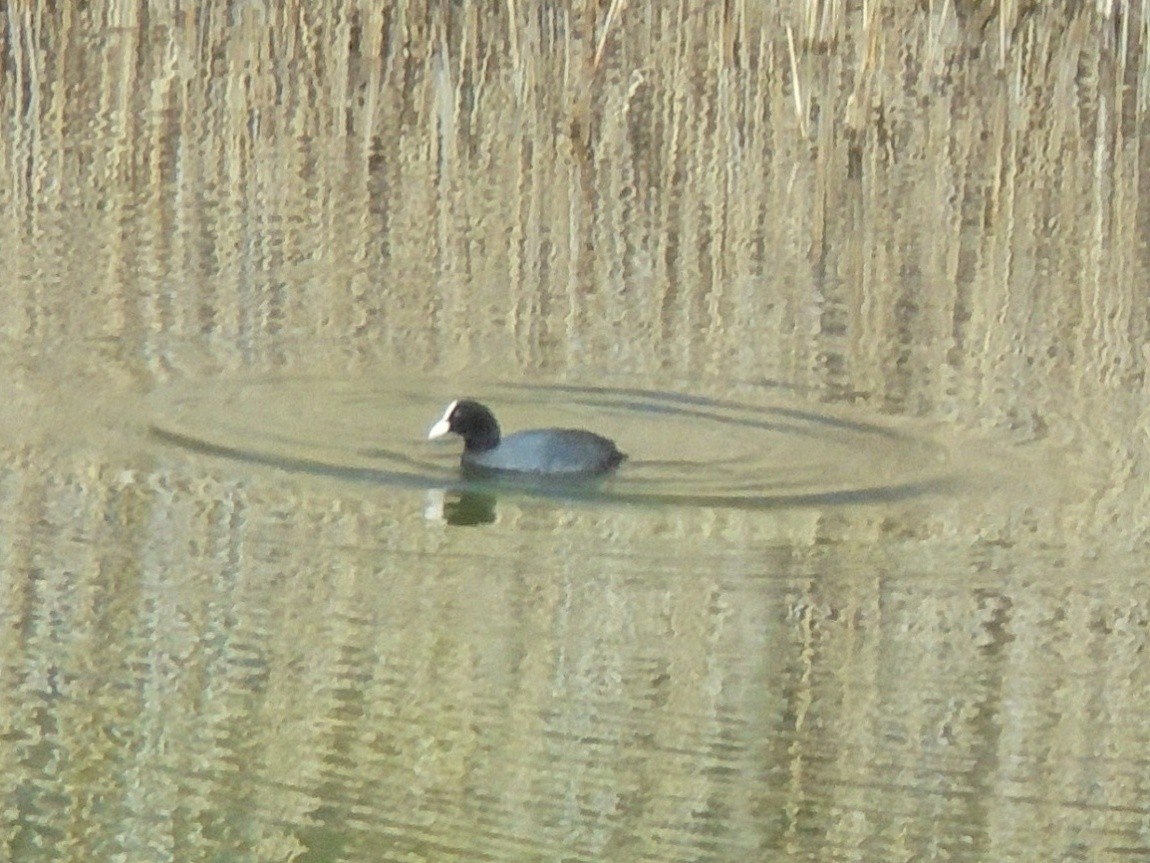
(928, 209)
(933, 208)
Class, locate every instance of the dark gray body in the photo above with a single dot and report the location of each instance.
(568, 452)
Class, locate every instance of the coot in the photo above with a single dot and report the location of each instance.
(562, 452)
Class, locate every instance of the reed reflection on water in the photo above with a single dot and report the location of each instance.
(916, 217)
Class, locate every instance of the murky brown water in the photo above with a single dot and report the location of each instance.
(872, 585)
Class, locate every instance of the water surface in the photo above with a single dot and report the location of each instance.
(860, 293)
(686, 449)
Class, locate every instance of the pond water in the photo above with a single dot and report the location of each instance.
(861, 294)
(688, 450)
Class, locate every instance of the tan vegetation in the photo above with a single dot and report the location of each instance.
(925, 208)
